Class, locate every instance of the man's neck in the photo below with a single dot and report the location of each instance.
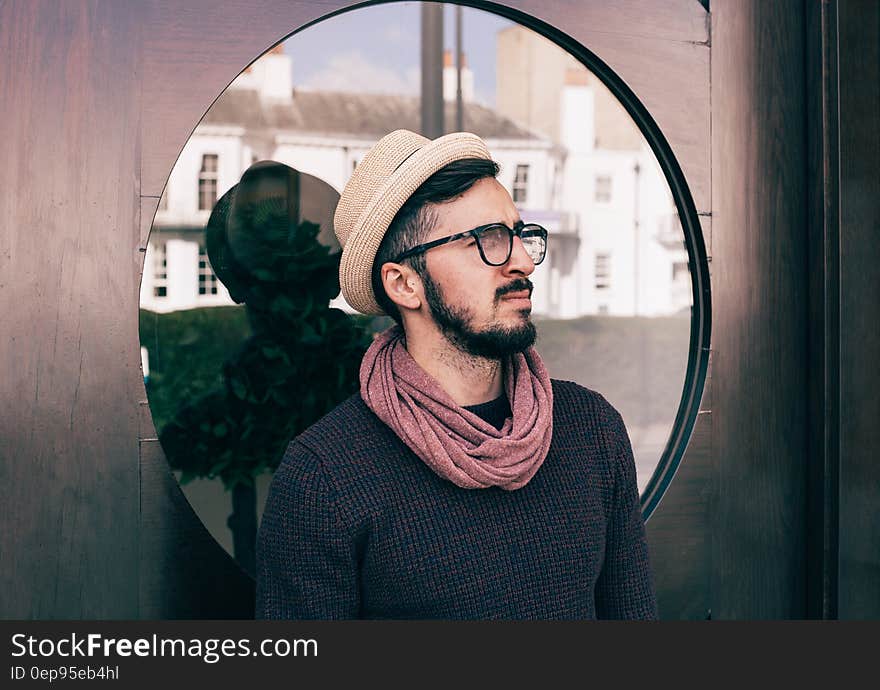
(469, 380)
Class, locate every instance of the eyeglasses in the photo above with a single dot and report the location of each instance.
(495, 242)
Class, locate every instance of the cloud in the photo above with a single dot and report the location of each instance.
(353, 72)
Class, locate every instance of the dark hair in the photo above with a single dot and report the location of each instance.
(415, 219)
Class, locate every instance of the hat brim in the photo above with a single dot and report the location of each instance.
(359, 253)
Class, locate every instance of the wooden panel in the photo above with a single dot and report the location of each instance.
(824, 333)
(684, 21)
(679, 533)
(760, 320)
(69, 123)
(184, 573)
(859, 56)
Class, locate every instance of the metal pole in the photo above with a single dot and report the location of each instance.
(432, 70)
(459, 60)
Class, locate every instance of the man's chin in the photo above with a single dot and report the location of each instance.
(500, 340)
(515, 321)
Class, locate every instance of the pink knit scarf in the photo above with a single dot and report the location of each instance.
(454, 442)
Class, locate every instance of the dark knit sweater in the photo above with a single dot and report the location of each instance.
(357, 526)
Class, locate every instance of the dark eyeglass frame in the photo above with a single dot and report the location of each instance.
(518, 228)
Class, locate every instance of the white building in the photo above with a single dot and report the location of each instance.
(630, 257)
(570, 156)
(324, 134)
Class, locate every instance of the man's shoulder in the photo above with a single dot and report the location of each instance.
(573, 398)
(348, 437)
(357, 453)
(584, 416)
(349, 419)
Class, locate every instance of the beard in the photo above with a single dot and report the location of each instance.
(495, 341)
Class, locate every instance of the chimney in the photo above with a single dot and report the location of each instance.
(577, 77)
(577, 112)
(270, 75)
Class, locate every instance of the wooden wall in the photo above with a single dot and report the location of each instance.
(759, 344)
(859, 292)
(69, 478)
(98, 97)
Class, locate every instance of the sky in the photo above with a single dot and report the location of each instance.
(376, 49)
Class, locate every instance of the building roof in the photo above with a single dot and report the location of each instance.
(363, 115)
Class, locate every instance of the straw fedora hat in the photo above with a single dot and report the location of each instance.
(387, 176)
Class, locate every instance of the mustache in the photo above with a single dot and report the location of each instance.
(515, 286)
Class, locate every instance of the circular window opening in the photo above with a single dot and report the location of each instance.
(244, 336)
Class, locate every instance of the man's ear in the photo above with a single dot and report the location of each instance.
(402, 285)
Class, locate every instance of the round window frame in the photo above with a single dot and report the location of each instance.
(698, 262)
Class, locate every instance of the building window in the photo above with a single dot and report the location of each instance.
(603, 271)
(521, 184)
(207, 277)
(603, 189)
(160, 271)
(208, 182)
(603, 309)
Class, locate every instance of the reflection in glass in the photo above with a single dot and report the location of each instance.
(612, 299)
(229, 411)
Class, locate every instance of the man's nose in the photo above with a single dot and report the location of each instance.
(519, 261)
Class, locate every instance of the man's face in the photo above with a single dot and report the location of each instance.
(482, 310)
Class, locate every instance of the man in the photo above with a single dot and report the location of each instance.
(461, 483)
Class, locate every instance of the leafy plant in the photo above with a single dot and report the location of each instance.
(299, 359)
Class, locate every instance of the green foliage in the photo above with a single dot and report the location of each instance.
(236, 407)
(187, 350)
